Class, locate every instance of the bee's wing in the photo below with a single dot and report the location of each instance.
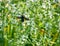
(19, 17)
(26, 18)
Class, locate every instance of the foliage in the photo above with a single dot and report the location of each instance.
(42, 28)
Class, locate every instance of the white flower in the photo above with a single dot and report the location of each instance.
(0, 0)
(43, 5)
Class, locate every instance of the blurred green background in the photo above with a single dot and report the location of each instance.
(42, 28)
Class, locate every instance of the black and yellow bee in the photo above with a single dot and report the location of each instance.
(22, 18)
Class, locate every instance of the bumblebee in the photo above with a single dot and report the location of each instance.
(22, 18)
